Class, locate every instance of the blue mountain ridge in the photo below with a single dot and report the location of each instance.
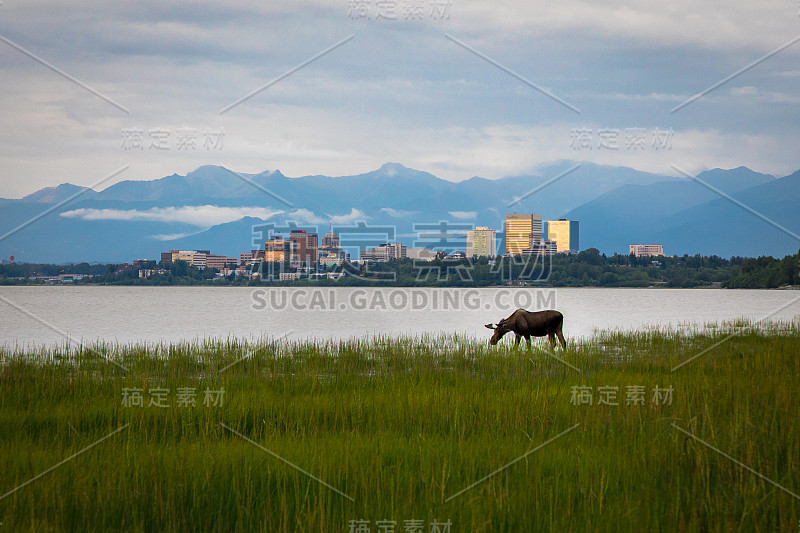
(616, 206)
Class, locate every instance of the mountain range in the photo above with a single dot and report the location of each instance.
(723, 212)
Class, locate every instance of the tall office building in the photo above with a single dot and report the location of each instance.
(481, 241)
(276, 250)
(565, 233)
(522, 231)
(304, 247)
(330, 240)
(329, 251)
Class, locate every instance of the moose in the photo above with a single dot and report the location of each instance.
(526, 323)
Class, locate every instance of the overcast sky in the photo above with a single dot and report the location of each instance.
(433, 88)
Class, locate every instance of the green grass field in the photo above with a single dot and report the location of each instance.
(319, 436)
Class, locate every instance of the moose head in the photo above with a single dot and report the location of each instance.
(499, 330)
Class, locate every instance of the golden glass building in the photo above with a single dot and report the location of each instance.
(565, 233)
(276, 250)
(522, 231)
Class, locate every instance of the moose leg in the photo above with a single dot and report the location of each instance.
(552, 338)
(528, 338)
(516, 342)
(561, 339)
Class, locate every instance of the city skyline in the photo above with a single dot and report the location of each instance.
(301, 249)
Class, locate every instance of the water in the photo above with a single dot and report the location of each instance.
(46, 315)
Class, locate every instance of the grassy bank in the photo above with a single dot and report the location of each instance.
(311, 436)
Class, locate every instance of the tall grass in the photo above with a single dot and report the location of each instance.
(398, 426)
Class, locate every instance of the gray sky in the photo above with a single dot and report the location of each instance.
(399, 90)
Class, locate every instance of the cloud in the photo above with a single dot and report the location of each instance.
(651, 97)
(463, 215)
(747, 90)
(172, 236)
(354, 216)
(306, 216)
(750, 93)
(397, 213)
(203, 216)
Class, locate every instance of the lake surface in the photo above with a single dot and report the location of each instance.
(46, 315)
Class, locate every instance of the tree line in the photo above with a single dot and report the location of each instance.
(588, 268)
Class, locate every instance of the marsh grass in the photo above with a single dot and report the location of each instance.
(400, 425)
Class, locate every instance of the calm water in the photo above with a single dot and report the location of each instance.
(45, 315)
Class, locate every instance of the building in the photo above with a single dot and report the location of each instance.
(481, 242)
(395, 250)
(303, 248)
(69, 278)
(384, 252)
(546, 247)
(147, 272)
(426, 254)
(276, 250)
(372, 254)
(330, 240)
(195, 258)
(333, 256)
(646, 250)
(330, 252)
(166, 257)
(219, 262)
(238, 271)
(522, 231)
(247, 258)
(565, 233)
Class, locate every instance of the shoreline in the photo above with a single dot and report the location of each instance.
(389, 286)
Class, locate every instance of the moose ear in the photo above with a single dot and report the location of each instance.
(489, 326)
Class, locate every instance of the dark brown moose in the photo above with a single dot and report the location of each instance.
(530, 323)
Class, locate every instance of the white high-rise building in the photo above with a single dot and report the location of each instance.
(481, 241)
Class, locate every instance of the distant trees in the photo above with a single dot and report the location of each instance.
(588, 268)
(766, 272)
